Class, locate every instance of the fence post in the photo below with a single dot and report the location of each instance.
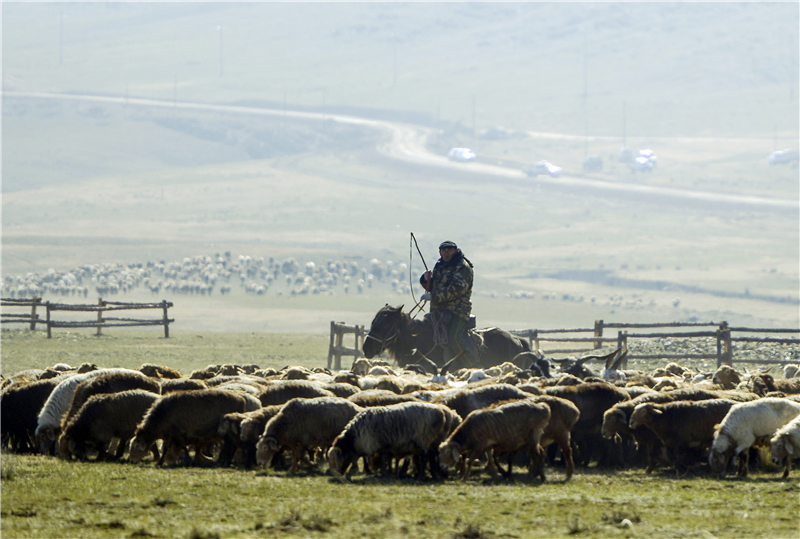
(99, 316)
(534, 339)
(330, 345)
(49, 334)
(598, 332)
(359, 333)
(719, 344)
(166, 318)
(726, 335)
(33, 312)
(337, 365)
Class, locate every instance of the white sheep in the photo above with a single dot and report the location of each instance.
(746, 424)
(786, 444)
(49, 421)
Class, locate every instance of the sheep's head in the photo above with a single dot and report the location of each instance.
(228, 424)
(780, 448)
(138, 450)
(64, 443)
(614, 421)
(727, 377)
(642, 414)
(336, 461)
(721, 453)
(45, 438)
(266, 450)
(449, 453)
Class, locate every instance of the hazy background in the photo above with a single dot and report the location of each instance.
(711, 88)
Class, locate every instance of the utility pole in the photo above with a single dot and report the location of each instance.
(220, 28)
(61, 40)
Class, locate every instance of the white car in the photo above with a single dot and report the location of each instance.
(461, 154)
(542, 167)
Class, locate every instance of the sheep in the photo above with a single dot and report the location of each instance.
(341, 389)
(102, 418)
(786, 444)
(184, 417)
(378, 397)
(398, 430)
(592, 399)
(464, 401)
(681, 425)
(283, 391)
(19, 410)
(181, 384)
(108, 383)
(303, 425)
(507, 428)
(790, 386)
(49, 421)
(564, 416)
(727, 377)
(747, 424)
(159, 371)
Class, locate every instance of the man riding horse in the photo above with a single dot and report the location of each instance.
(449, 289)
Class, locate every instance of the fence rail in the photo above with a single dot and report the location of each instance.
(722, 332)
(102, 321)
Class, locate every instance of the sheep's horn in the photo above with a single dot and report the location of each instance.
(426, 363)
(616, 362)
(604, 357)
(767, 371)
(449, 363)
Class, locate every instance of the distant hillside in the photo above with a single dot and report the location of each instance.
(718, 69)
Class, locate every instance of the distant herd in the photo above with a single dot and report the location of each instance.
(394, 422)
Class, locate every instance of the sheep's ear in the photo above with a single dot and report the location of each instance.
(235, 428)
(456, 454)
(788, 446)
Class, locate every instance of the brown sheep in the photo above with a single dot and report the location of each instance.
(170, 385)
(564, 416)
(378, 397)
(113, 382)
(159, 371)
(101, 419)
(242, 430)
(681, 424)
(183, 418)
(341, 389)
(464, 401)
(281, 392)
(303, 425)
(592, 399)
(19, 411)
(505, 428)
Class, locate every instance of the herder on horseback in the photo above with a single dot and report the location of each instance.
(449, 289)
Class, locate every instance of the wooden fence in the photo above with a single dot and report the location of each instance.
(101, 322)
(336, 349)
(722, 332)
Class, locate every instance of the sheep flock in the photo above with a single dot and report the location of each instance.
(376, 419)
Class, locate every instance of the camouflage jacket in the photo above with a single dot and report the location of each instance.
(451, 286)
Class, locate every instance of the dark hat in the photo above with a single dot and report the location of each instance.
(448, 245)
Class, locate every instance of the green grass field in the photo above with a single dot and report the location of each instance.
(44, 497)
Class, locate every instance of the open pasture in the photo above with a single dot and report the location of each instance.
(48, 497)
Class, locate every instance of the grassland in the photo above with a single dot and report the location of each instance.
(44, 497)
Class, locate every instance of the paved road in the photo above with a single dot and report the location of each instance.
(407, 142)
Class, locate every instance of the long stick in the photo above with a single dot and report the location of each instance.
(411, 284)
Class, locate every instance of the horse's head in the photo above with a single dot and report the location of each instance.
(384, 330)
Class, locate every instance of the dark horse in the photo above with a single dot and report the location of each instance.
(396, 332)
